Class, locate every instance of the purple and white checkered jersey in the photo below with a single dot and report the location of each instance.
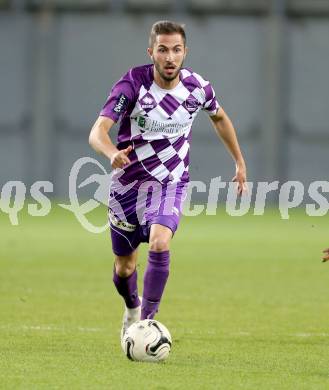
(157, 122)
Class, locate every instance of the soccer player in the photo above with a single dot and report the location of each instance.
(156, 105)
(326, 257)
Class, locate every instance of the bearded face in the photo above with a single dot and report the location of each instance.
(168, 54)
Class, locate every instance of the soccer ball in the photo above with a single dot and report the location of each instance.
(147, 341)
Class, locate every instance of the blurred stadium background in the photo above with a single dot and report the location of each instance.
(268, 62)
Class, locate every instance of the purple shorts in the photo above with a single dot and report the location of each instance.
(132, 211)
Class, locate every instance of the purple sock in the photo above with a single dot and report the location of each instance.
(155, 279)
(127, 288)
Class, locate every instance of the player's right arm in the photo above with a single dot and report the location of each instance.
(100, 141)
(326, 257)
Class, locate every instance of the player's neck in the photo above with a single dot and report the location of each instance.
(164, 84)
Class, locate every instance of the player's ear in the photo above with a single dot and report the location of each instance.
(186, 51)
(150, 51)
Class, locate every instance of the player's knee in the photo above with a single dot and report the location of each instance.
(124, 266)
(159, 244)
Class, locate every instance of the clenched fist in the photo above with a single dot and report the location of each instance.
(120, 159)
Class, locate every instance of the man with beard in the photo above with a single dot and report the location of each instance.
(157, 104)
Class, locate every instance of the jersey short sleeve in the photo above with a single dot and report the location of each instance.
(120, 98)
(210, 104)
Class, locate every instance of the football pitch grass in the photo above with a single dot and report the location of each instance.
(247, 304)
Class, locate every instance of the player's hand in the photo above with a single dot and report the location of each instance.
(120, 158)
(241, 177)
(326, 257)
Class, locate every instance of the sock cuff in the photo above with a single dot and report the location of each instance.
(160, 258)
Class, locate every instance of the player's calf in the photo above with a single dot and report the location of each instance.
(157, 271)
(125, 281)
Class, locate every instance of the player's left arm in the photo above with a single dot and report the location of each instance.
(326, 257)
(226, 132)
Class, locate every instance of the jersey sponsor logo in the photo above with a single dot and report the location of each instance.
(141, 121)
(121, 104)
(171, 128)
(191, 104)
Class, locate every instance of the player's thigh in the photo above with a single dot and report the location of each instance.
(124, 225)
(160, 237)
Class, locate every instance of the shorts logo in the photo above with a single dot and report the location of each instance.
(121, 104)
(191, 104)
(147, 102)
(123, 225)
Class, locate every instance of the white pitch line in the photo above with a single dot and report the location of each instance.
(187, 331)
(91, 329)
(52, 328)
(37, 327)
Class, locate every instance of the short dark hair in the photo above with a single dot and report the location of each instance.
(166, 27)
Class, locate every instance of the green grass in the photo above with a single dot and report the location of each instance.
(247, 304)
